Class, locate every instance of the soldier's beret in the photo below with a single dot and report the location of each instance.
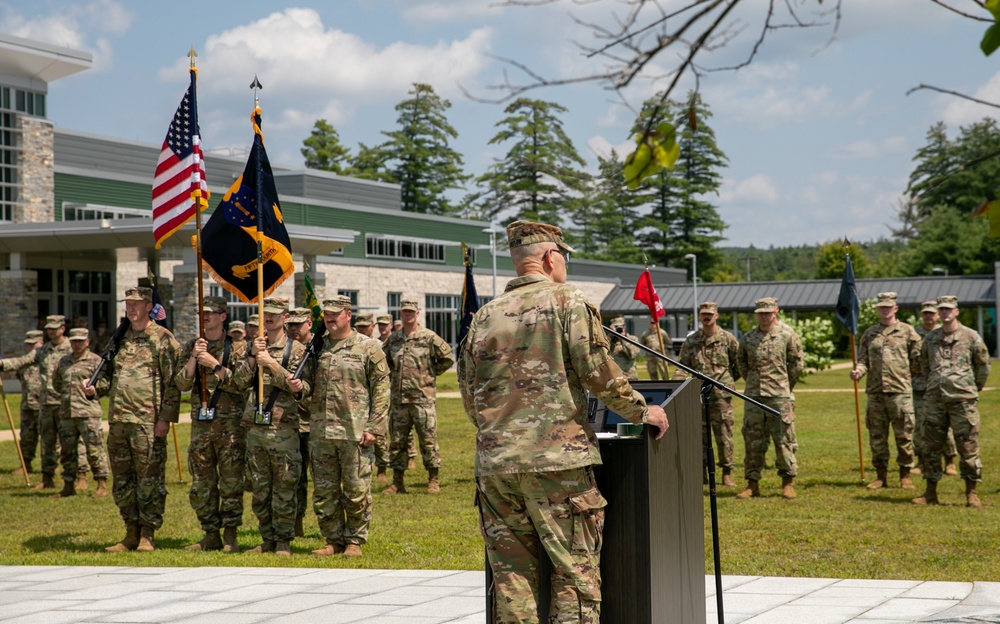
(929, 306)
(384, 319)
(765, 304)
(947, 301)
(521, 233)
(337, 304)
(239, 326)
(54, 321)
(139, 293)
(364, 320)
(214, 304)
(410, 304)
(79, 333)
(33, 336)
(299, 315)
(708, 306)
(276, 305)
(254, 320)
(886, 300)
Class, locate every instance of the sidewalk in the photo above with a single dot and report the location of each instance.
(64, 595)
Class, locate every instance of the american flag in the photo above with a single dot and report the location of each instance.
(180, 171)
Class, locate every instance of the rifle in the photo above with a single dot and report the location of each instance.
(311, 350)
(111, 350)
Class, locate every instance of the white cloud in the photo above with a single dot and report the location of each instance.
(867, 149)
(757, 189)
(959, 112)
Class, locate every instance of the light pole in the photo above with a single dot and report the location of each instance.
(493, 255)
(694, 282)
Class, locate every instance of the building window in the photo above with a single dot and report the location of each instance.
(379, 246)
(393, 303)
(9, 169)
(441, 316)
(352, 294)
(89, 212)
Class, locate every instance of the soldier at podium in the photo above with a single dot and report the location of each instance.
(529, 358)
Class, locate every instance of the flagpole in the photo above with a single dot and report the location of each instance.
(198, 203)
(659, 336)
(857, 398)
(258, 184)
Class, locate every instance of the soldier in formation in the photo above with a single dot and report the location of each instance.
(252, 328)
(713, 351)
(365, 324)
(624, 353)
(956, 363)
(384, 326)
(770, 358)
(929, 321)
(237, 331)
(889, 354)
(27, 371)
(651, 339)
(299, 328)
(50, 403)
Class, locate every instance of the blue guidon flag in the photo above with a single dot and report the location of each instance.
(848, 304)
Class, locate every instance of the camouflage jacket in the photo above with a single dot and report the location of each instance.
(770, 362)
(70, 375)
(28, 373)
(231, 398)
(530, 356)
(415, 361)
(649, 339)
(350, 389)
(285, 412)
(919, 379)
(47, 356)
(140, 382)
(625, 354)
(957, 364)
(890, 355)
(713, 355)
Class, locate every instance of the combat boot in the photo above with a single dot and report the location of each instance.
(929, 497)
(329, 549)
(48, 482)
(282, 548)
(727, 478)
(380, 476)
(788, 488)
(753, 490)
(881, 479)
(971, 498)
(904, 479)
(433, 485)
(20, 471)
(102, 489)
(397, 487)
(352, 550)
(211, 541)
(299, 531)
(412, 464)
(918, 469)
(229, 540)
(267, 546)
(67, 490)
(146, 542)
(949, 466)
(81, 484)
(130, 541)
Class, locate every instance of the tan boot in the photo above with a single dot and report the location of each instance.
(788, 488)
(282, 548)
(949, 467)
(211, 541)
(102, 489)
(129, 542)
(67, 490)
(48, 483)
(433, 485)
(352, 550)
(397, 487)
(81, 484)
(329, 549)
(299, 531)
(267, 546)
(20, 471)
(412, 464)
(904, 479)
(229, 540)
(929, 497)
(727, 478)
(146, 541)
(380, 476)
(918, 469)
(881, 479)
(753, 490)
(971, 498)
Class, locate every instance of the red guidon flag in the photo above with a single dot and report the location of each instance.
(646, 293)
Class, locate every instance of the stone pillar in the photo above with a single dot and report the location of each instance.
(19, 293)
(185, 297)
(318, 282)
(37, 199)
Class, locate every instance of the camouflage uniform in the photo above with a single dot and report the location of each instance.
(217, 452)
(141, 387)
(771, 363)
(530, 355)
(920, 411)
(625, 355)
(657, 368)
(716, 357)
(79, 418)
(302, 315)
(274, 462)
(350, 397)
(29, 375)
(957, 365)
(415, 361)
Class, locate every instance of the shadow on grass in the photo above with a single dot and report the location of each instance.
(61, 541)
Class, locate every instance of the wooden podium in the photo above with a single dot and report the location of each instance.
(653, 556)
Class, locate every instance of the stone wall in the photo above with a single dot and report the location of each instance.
(36, 202)
(19, 293)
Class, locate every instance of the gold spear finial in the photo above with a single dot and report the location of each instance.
(192, 55)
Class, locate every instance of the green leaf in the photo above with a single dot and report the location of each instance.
(991, 40)
(657, 150)
(993, 6)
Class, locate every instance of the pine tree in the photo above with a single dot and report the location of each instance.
(323, 149)
(607, 217)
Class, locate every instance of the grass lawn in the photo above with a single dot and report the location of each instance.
(836, 528)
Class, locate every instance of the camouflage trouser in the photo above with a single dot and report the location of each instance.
(138, 464)
(48, 434)
(963, 418)
(721, 413)
(273, 466)
(759, 428)
(885, 409)
(89, 431)
(382, 443)
(216, 459)
(919, 446)
(657, 368)
(29, 434)
(302, 489)
(409, 416)
(342, 489)
(560, 511)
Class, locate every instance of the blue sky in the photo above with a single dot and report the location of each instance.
(820, 138)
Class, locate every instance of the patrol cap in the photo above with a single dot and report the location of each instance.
(299, 315)
(947, 301)
(929, 306)
(521, 233)
(384, 319)
(708, 306)
(139, 293)
(618, 320)
(337, 304)
(410, 304)
(364, 320)
(33, 336)
(214, 304)
(886, 300)
(254, 320)
(79, 333)
(276, 305)
(765, 304)
(237, 326)
(55, 321)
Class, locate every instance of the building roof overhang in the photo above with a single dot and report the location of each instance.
(34, 60)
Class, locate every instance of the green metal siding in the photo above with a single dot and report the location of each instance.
(84, 190)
